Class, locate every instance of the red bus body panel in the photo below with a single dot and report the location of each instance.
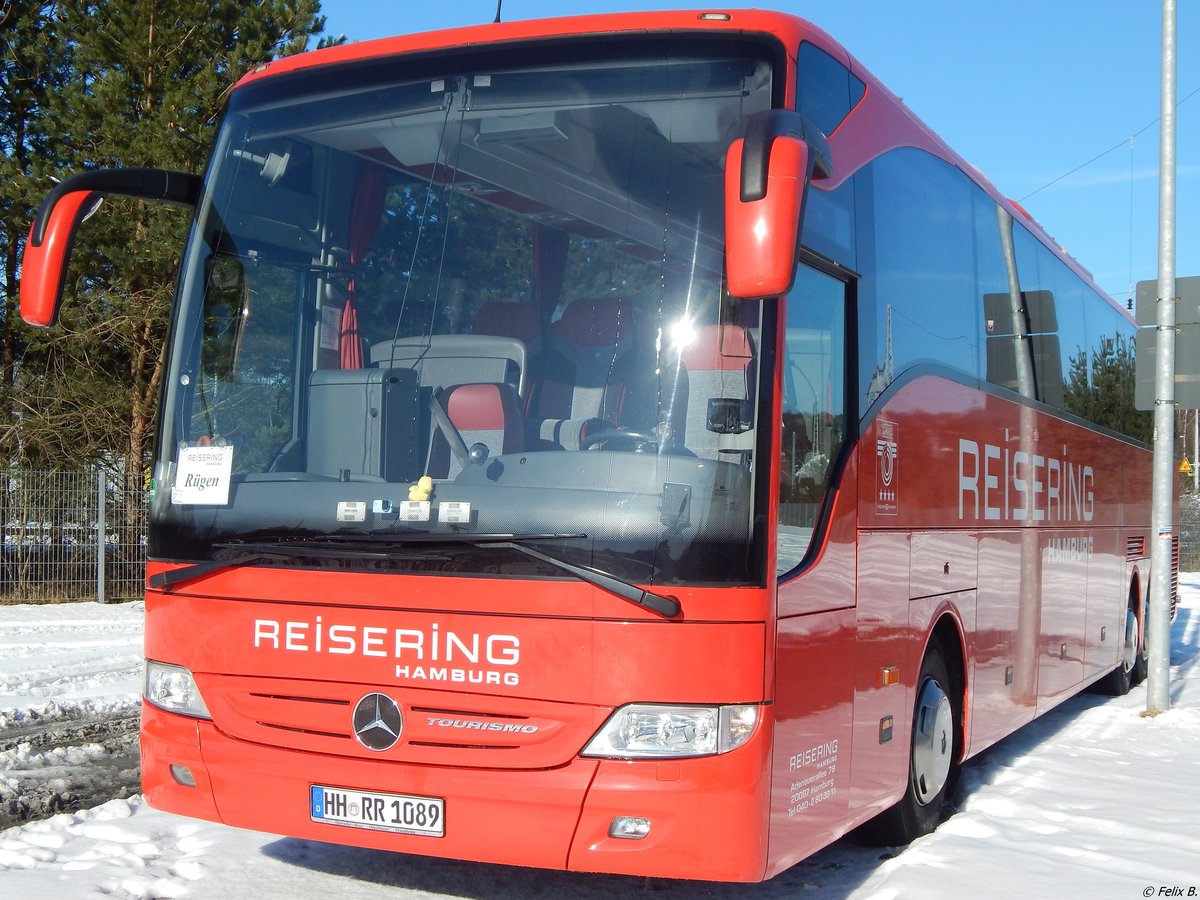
(523, 797)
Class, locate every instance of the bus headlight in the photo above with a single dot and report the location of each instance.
(174, 689)
(654, 731)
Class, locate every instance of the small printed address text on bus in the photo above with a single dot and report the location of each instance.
(813, 782)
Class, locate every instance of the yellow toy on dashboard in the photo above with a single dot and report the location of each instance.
(422, 490)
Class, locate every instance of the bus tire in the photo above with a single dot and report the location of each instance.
(1141, 664)
(1133, 661)
(934, 749)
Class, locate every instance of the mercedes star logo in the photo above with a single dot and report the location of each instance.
(377, 722)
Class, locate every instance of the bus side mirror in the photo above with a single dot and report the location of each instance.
(44, 263)
(766, 179)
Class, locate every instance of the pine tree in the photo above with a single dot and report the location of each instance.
(33, 67)
(147, 82)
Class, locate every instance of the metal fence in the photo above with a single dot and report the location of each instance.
(70, 536)
(82, 536)
(1189, 533)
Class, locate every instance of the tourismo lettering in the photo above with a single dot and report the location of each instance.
(477, 725)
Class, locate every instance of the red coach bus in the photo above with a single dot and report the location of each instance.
(630, 443)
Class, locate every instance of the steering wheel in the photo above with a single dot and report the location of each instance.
(640, 441)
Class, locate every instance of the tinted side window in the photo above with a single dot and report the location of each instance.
(814, 407)
(828, 225)
(1082, 347)
(826, 89)
(919, 260)
(1108, 398)
(1061, 298)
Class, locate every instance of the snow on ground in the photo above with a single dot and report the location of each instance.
(1092, 800)
(87, 655)
(69, 681)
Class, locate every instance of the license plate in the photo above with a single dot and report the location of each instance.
(400, 813)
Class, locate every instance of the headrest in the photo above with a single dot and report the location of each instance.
(478, 407)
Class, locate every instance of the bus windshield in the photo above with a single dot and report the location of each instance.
(480, 300)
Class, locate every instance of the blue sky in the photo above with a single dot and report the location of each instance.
(1026, 90)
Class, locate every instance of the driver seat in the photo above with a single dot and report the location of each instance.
(580, 379)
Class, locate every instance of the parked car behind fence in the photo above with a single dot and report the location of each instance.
(70, 536)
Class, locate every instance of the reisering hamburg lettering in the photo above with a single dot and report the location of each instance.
(999, 484)
(429, 654)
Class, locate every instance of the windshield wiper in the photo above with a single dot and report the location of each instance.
(327, 546)
(663, 604)
(339, 546)
(250, 554)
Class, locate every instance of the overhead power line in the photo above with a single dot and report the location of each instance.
(1124, 142)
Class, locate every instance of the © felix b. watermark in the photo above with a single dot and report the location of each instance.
(1171, 890)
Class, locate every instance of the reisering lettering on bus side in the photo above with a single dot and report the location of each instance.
(1001, 484)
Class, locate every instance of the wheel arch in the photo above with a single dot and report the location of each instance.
(1137, 595)
(942, 659)
(949, 633)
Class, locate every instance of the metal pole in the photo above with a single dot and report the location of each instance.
(101, 535)
(1158, 632)
(1029, 613)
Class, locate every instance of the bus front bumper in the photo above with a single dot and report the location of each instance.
(707, 816)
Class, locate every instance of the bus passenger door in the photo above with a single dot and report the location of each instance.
(816, 562)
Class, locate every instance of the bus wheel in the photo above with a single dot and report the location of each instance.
(1131, 669)
(932, 768)
(1141, 661)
